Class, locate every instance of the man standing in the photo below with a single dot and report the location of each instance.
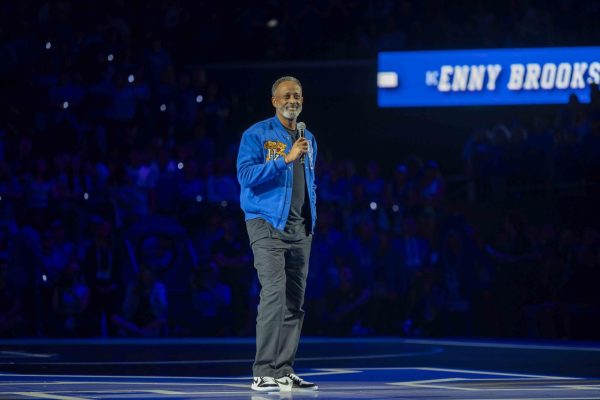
(276, 171)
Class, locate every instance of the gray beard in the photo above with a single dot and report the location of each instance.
(289, 114)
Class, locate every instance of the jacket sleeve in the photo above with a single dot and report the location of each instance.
(252, 170)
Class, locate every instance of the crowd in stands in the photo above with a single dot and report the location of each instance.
(119, 204)
(208, 31)
(561, 150)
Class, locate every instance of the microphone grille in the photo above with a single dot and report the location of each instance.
(301, 126)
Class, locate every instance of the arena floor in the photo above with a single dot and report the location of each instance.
(382, 368)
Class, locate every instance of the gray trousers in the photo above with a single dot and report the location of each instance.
(282, 267)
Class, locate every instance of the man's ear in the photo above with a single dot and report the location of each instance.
(273, 100)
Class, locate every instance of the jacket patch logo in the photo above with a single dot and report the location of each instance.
(274, 149)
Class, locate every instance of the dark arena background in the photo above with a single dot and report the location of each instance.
(457, 248)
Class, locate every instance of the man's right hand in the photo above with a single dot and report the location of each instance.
(300, 147)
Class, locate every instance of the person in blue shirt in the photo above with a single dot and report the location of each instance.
(276, 172)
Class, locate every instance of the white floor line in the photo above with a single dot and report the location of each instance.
(233, 361)
(319, 372)
(25, 354)
(495, 345)
(125, 377)
(535, 389)
(466, 371)
(426, 381)
(41, 395)
(432, 384)
(580, 387)
(594, 346)
(117, 383)
(539, 398)
(428, 386)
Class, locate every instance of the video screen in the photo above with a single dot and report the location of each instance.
(486, 76)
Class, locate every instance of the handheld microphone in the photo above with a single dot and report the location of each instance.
(301, 127)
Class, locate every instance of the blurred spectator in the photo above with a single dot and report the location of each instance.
(144, 308)
(567, 158)
(12, 321)
(70, 300)
(232, 259)
(102, 266)
(221, 186)
(347, 304)
(477, 155)
(373, 184)
(158, 59)
(459, 281)
(212, 301)
(387, 301)
(10, 193)
(362, 248)
(432, 187)
(418, 286)
(517, 259)
(579, 293)
(591, 151)
(38, 188)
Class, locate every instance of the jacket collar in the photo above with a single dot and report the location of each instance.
(279, 127)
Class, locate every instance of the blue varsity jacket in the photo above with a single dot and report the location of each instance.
(265, 178)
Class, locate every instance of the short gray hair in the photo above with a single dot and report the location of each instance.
(284, 79)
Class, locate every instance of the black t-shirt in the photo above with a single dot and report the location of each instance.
(298, 221)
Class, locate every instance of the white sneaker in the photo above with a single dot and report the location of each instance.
(293, 381)
(264, 384)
